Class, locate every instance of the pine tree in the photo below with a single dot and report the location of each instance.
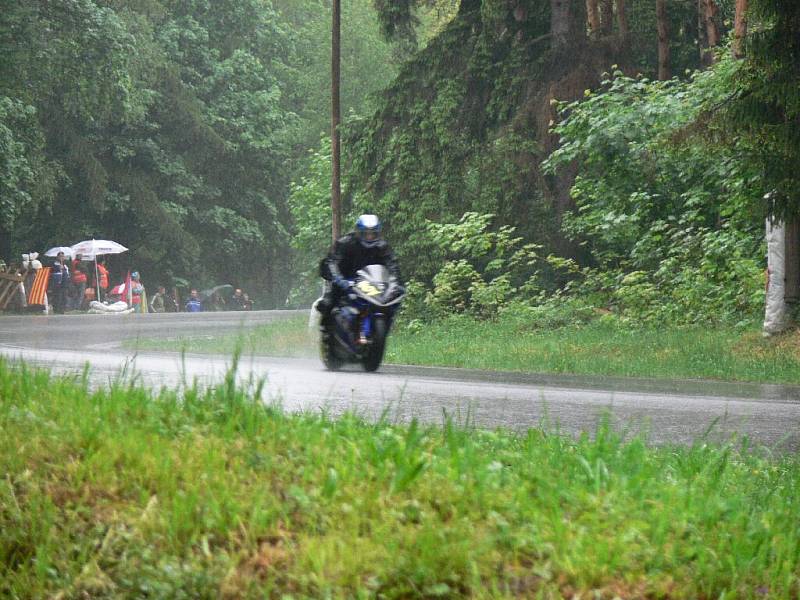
(766, 107)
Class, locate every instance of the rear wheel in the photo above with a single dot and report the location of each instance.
(326, 351)
(375, 354)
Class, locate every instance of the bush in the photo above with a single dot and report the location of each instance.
(550, 312)
(452, 288)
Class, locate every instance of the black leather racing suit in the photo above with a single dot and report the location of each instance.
(344, 260)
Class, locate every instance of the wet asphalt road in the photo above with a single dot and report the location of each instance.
(669, 411)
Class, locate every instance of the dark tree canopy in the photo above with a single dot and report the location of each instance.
(174, 127)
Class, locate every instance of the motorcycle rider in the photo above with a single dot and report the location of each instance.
(352, 252)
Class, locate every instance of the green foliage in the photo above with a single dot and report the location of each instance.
(452, 288)
(464, 125)
(172, 127)
(397, 17)
(670, 217)
(484, 269)
(152, 110)
(20, 153)
(434, 148)
(404, 20)
(310, 205)
(368, 64)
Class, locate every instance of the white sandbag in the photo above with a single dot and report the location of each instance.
(95, 311)
(120, 307)
(776, 314)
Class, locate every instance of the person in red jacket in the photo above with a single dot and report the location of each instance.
(77, 284)
(102, 277)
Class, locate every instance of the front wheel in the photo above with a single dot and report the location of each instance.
(375, 353)
(326, 351)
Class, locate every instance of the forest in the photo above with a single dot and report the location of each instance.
(530, 153)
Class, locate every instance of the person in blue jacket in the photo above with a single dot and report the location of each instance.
(193, 304)
(59, 280)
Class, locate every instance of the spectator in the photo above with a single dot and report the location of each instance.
(158, 303)
(102, 277)
(171, 302)
(137, 292)
(77, 287)
(214, 302)
(248, 304)
(237, 300)
(27, 264)
(193, 304)
(17, 300)
(59, 280)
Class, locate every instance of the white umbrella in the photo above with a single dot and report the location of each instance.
(54, 251)
(91, 249)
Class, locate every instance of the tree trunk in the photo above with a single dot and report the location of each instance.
(740, 28)
(606, 16)
(560, 22)
(622, 21)
(712, 28)
(702, 41)
(710, 11)
(664, 71)
(336, 190)
(593, 17)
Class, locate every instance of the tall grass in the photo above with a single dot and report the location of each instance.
(209, 493)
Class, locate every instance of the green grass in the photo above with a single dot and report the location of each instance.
(598, 348)
(285, 337)
(604, 349)
(127, 493)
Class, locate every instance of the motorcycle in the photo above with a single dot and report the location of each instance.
(357, 328)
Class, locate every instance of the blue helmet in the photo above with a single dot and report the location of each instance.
(368, 230)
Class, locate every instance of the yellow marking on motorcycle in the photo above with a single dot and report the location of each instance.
(368, 288)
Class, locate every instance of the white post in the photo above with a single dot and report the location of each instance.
(775, 310)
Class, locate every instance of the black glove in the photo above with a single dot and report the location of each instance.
(396, 288)
(342, 283)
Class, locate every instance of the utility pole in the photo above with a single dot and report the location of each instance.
(336, 189)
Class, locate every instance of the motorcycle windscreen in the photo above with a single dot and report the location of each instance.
(375, 273)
